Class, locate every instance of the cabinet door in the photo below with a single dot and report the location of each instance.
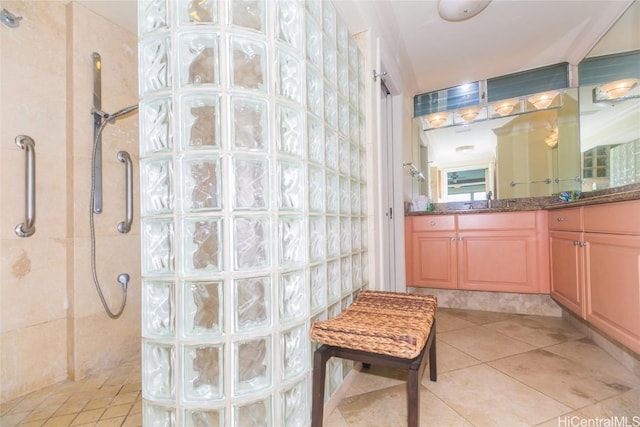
(612, 266)
(567, 264)
(434, 260)
(503, 261)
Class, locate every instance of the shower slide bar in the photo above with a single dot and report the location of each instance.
(125, 226)
(27, 228)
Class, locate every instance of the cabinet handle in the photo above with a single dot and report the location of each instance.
(432, 223)
(576, 243)
(561, 218)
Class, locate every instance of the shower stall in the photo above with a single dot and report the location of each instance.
(52, 324)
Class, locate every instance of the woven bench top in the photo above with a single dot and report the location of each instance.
(395, 324)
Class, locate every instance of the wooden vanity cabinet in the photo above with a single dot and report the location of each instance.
(595, 266)
(504, 252)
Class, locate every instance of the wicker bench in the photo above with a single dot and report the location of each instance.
(394, 330)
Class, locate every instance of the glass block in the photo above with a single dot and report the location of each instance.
(291, 234)
(363, 199)
(365, 269)
(251, 183)
(314, 92)
(317, 243)
(204, 417)
(198, 59)
(203, 372)
(356, 234)
(344, 149)
(290, 185)
(329, 20)
(255, 414)
(314, 43)
(343, 77)
(345, 235)
(354, 158)
(159, 366)
(201, 183)
(200, 121)
(248, 14)
(152, 15)
(329, 60)
(354, 127)
(342, 38)
(289, 76)
(154, 63)
(363, 166)
(201, 240)
(158, 416)
(248, 62)
(314, 7)
(345, 267)
(293, 350)
(334, 375)
(356, 269)
(345, 195)
(315, 141)
(316, 189)
(333, 236)
(251, 243)
(333, 193)
(346, 302)
(335, 309)
(202, 312)
(249, 121)
(333, 281)
(295, 411)
(252, 303)
(331, 149)
(355, 198)
(158, 309)
(362, 99)
(330, 105)
(365, 234)
(353, 55)
(157, 247)
(199, 11)
(362, 71)
(318, 281)
(156, 187)
(343, 117)
(289, 16)
(155, 125)
(293, 298)
(253, 365)
(290, 131)
(353, 88)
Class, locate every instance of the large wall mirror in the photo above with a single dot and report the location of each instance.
(574, 144)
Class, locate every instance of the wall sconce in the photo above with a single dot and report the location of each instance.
(505, 107)
(469, 114)
(543, 100)
(437, 119)
(618, 89)
(415, 173)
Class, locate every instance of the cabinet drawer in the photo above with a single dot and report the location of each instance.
(434, 223)
(566, 219)
(615, 218)
(497, 221)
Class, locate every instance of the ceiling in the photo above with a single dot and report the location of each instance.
(425, 52)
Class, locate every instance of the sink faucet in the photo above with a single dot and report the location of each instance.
(489, 201)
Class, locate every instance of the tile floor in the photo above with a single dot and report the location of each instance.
(494, 369)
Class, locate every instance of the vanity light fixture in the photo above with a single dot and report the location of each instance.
(543, 100)
(619, 88)
(469, 114)
(506, 106)
(437, 119)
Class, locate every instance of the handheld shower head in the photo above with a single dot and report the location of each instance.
(123, 112)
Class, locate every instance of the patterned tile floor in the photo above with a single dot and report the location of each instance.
(494, 369)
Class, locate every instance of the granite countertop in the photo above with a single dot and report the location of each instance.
(610, 195)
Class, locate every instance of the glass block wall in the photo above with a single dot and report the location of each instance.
(253, 204)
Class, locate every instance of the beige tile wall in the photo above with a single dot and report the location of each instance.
(52, 325)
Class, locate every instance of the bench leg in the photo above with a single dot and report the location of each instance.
(433, 371)
(413, 398)
(320, 358)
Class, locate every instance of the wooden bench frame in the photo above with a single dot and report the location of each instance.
(415, 368)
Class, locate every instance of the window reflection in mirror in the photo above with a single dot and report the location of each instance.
(466, 185)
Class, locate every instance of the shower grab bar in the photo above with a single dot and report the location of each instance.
(125, 226)
(27, 228)
(545, 181)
